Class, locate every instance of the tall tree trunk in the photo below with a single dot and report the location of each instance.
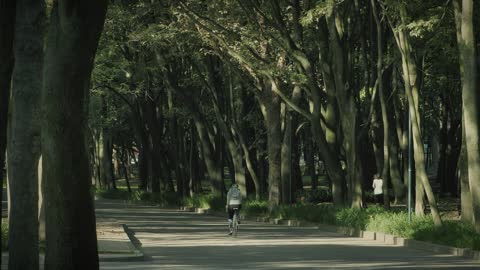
(143, 160)
(105, 156)
(154, 137)
(347, 108)
(286, 165)
(383, 105)
(296, 171)
(7, 23)
(195, 181)
(181, 173)
(234, 150)
(125, 163)
(471, 104)
(75, 28)
(271, 102)
(287, 149)
(309, 153)
(411, 90)
(24, 135)
(465, 193)
(213, 170)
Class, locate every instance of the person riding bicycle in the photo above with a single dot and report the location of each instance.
(234, 200)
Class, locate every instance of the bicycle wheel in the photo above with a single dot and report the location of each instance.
(235, 224)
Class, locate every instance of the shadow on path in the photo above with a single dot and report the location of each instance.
(173, 239)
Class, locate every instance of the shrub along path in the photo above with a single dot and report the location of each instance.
(172, 239)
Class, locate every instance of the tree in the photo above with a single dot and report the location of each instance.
(72, 41)
(409, 69)
(470, 102)
(7, 22)
(24, 135)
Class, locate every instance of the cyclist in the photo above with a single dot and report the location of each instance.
(234, 200)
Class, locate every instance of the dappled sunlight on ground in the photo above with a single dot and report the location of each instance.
(182, 240)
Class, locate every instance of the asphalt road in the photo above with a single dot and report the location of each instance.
(173, 239)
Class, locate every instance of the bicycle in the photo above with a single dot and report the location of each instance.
(234, 228)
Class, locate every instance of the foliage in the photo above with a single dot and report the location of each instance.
(378, 219)
(205, 201)
(323, 213)
(162, 199)
(255, 208)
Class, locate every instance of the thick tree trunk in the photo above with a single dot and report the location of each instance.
(125, 163)
(287, 149)
(471, 105)
(332, 164)
(181, 171)
(154, 137)
(309, 154)
(234, 150)
(144, 160)
(195, 181)
(286, 165)
(395, 176)
(213, 170)
(7, 22)
(75, 28)
(271, 102)
(105, 156)
(347, 108)
(465, 193)
(24, 135)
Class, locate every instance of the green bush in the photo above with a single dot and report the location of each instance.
(113, 194)
(255, 208)
(323, 213)
(373, 219)
(205, 201)
(452, 233)
(163, 199)
(314, 196)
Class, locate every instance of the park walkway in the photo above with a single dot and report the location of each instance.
(172, 239)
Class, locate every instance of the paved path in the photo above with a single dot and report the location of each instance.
(173, 239)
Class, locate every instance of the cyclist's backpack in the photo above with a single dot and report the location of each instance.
(235, 197)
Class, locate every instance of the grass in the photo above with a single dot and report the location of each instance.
(451, 233)
(205, 201)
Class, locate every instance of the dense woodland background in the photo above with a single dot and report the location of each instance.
(293, 100)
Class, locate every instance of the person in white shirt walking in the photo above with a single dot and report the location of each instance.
(378, 189)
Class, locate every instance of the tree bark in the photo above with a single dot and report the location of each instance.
(470, 102)
(213, 170)
(216, 90)
(72, 41)
(7, 25)
(383, 105)
(271, 103)
(347, 108)
(105, 156)
(125, 164)
(467, 215)
(195, 181)
(24, 135)
(411, 90)
(287, 149)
